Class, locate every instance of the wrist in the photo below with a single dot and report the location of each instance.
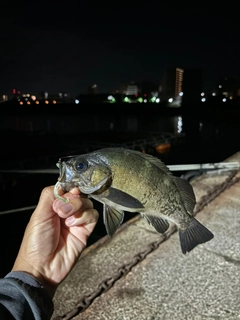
(28, 290)
(49, 286)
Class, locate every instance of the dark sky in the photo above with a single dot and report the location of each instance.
(49, 46)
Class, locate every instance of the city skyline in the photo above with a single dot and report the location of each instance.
(70, 48)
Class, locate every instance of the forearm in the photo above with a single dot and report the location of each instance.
(24, 297)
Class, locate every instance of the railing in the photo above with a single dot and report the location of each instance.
(205, 167)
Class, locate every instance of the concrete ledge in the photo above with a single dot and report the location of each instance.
(162, 282)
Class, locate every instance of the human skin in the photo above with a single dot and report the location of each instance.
(55, 237)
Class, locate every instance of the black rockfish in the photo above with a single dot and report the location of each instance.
(128, 180)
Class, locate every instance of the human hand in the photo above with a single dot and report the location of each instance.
(55, 237)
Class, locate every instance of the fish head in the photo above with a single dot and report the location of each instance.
(90, 174)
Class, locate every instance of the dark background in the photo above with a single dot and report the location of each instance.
(67, 47)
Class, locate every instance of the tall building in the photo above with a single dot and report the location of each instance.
(171, 84)
(192, 86)
(179, 81)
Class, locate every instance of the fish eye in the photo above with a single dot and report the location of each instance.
(80, 165)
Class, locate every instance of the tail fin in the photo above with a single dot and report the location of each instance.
(195, 234)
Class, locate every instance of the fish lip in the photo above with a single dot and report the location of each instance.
(89, 190)
(62, 170)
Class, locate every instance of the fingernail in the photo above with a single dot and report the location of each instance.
(70, 221)
(66, 207)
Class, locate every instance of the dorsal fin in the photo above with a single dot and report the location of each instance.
(157, 162)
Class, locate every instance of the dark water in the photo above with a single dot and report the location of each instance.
(208, 140)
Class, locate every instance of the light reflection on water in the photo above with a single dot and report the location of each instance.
(69, 124)
(213, 135)
(178, 124)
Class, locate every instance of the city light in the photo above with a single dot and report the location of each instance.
(179, 125)
(170, 95)
(111, 99)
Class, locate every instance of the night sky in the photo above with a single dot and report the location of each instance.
(49, 46)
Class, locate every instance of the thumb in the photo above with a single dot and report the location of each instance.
(44, 209)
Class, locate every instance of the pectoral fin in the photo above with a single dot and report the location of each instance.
(112, 219)
(122, 198)
(161, 225)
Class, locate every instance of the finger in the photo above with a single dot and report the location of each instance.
(75, 205)
(45, 201)
(74, 192)
(82, 226)
(86, 217)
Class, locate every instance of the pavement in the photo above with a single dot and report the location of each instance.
(140, 274)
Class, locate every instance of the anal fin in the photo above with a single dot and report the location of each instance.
(161, 225)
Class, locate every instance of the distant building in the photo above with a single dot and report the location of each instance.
(179, 81)
(131, 89)
(192, 86)
(3, 98)
(171, 83)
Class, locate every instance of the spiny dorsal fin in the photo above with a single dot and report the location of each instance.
(157, 162)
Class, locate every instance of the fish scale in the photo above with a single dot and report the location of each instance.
(126, 180)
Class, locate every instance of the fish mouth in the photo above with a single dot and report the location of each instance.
(62, 170)
(66, 181)
(65, 174)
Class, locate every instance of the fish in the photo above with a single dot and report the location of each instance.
(126, 180)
